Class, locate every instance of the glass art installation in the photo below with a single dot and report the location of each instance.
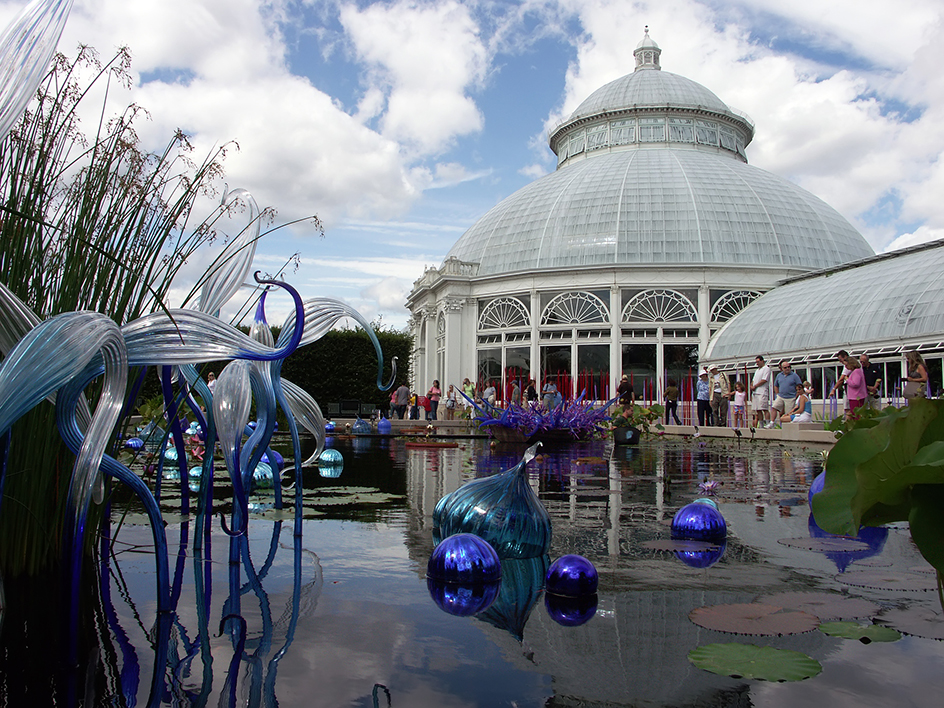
(361, 427)
(464, 558)
(699, 522)
(502, 509)
(572, 576)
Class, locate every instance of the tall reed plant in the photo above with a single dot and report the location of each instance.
(86, 223)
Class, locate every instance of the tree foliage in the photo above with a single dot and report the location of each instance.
(343, 365)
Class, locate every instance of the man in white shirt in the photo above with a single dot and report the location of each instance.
(760, 392)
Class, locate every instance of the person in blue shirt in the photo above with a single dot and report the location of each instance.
(785, 392)
(703, 399)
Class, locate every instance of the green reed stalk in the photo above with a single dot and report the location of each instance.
(85, 224)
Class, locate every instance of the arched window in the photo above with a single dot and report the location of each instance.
(731, 303)
(660, 306)
(504, 312)
(575, 308)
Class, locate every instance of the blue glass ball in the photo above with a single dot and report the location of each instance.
(196, 472)
(464, 558)
(699, 522)
(702, 559)
(330, 456)
(570, 611)
(170, 454)
(329, 426)
(274, 458)
(134, 443)
(706, 500)
(462, 600)
(384, 426)
(571, 576)
(819, 481)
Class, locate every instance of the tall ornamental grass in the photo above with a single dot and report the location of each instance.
(86, 223)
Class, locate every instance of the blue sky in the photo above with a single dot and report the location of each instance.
(400, 123)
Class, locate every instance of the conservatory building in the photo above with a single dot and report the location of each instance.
(651, 234)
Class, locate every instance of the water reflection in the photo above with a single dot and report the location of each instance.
(343, 614)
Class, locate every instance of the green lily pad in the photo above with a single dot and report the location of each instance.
(750, 661)
(864, 633)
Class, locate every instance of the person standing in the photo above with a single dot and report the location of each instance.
(451, 402)
(402, 400)
(760, 391)
(785, 392)
(703, 398)
(856, 389)
(843, 356)
(873, 381)
(916, 381)
(671, 402)
(627, 397)
(434, 394)
(488, 395)
(468, 388)
(550, 394)
(531, 393)
(720, 395)
(516, 393)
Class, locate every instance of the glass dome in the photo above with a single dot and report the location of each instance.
(659, 206)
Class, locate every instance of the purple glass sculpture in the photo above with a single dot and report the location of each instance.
(571, 576)
(699, 522)
(462, 600)
(466, 559)
(570, 611)
(134, 443)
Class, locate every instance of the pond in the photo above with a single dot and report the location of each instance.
(342, 616)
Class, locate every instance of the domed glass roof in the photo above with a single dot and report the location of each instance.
(659, 206)
(650, 88)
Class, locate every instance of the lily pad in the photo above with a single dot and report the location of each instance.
(750, 661)
(838, 544)
(919, 621)
(864, 633)
(881, 579)
(672, 545)
(825, 605)
(753, 618)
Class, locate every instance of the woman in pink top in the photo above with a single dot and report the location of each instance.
(855, 384)
(434, 394)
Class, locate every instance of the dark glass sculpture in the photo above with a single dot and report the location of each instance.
(502, 509)
(570, 611)
(702, 559)
(571, 576)
(466, 559)
(462, 600)
(699, 522)
(522, 580)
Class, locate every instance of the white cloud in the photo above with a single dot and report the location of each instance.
(423, 57)
(921, 235)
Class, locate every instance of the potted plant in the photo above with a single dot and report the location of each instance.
(629, 423)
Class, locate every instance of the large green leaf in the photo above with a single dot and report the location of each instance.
(926, 520)
(870, 470)
(750, 661)
(864, 633)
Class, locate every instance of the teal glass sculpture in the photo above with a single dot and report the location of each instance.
(502, 509)
(361, 427)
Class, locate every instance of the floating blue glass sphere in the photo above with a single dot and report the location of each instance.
(384, 426)
(196, 472)
(462, 600)
(817, 486)
(262, 476)
(330, 456)
(571, 576)
(329, 426)
(360, 427)
(570, 611)
(699, 522)
(464, 558)
(702, 559)
(134, 443)
(170, 454)
(706, 500)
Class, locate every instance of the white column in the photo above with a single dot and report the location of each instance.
(704, 318)
(616, 343)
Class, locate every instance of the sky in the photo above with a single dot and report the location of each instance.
(400, 123)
